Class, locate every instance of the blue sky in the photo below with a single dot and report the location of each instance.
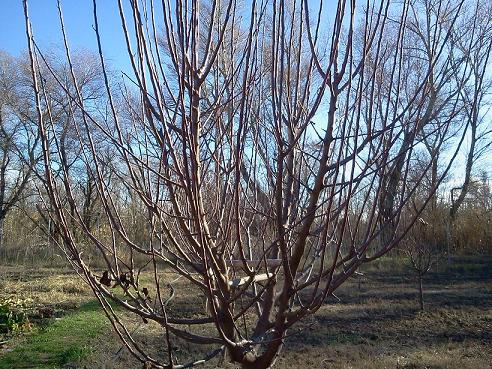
(78, 18)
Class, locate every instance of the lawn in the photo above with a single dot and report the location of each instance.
(68, 339)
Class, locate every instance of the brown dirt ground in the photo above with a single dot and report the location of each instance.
(376, 323)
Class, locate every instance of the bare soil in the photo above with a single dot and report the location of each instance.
(374, 321)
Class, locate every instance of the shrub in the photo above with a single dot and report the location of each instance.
(14, 315)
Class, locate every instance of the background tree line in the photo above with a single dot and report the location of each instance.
(463, 199)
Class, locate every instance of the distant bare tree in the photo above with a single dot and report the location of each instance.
(422, 253)
(471, 52)
(271, 164)
(68, 153)
(18, 136)
(472, 233)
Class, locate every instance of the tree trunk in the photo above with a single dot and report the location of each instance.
(421, 293)
(2, 251)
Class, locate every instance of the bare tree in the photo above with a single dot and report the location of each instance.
(471, 56)
(421, 251)
(18, 137)
(423, 243)
(472, 232)
(67, 150)
(270, 164)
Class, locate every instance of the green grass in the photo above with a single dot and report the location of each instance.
(66, 340)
